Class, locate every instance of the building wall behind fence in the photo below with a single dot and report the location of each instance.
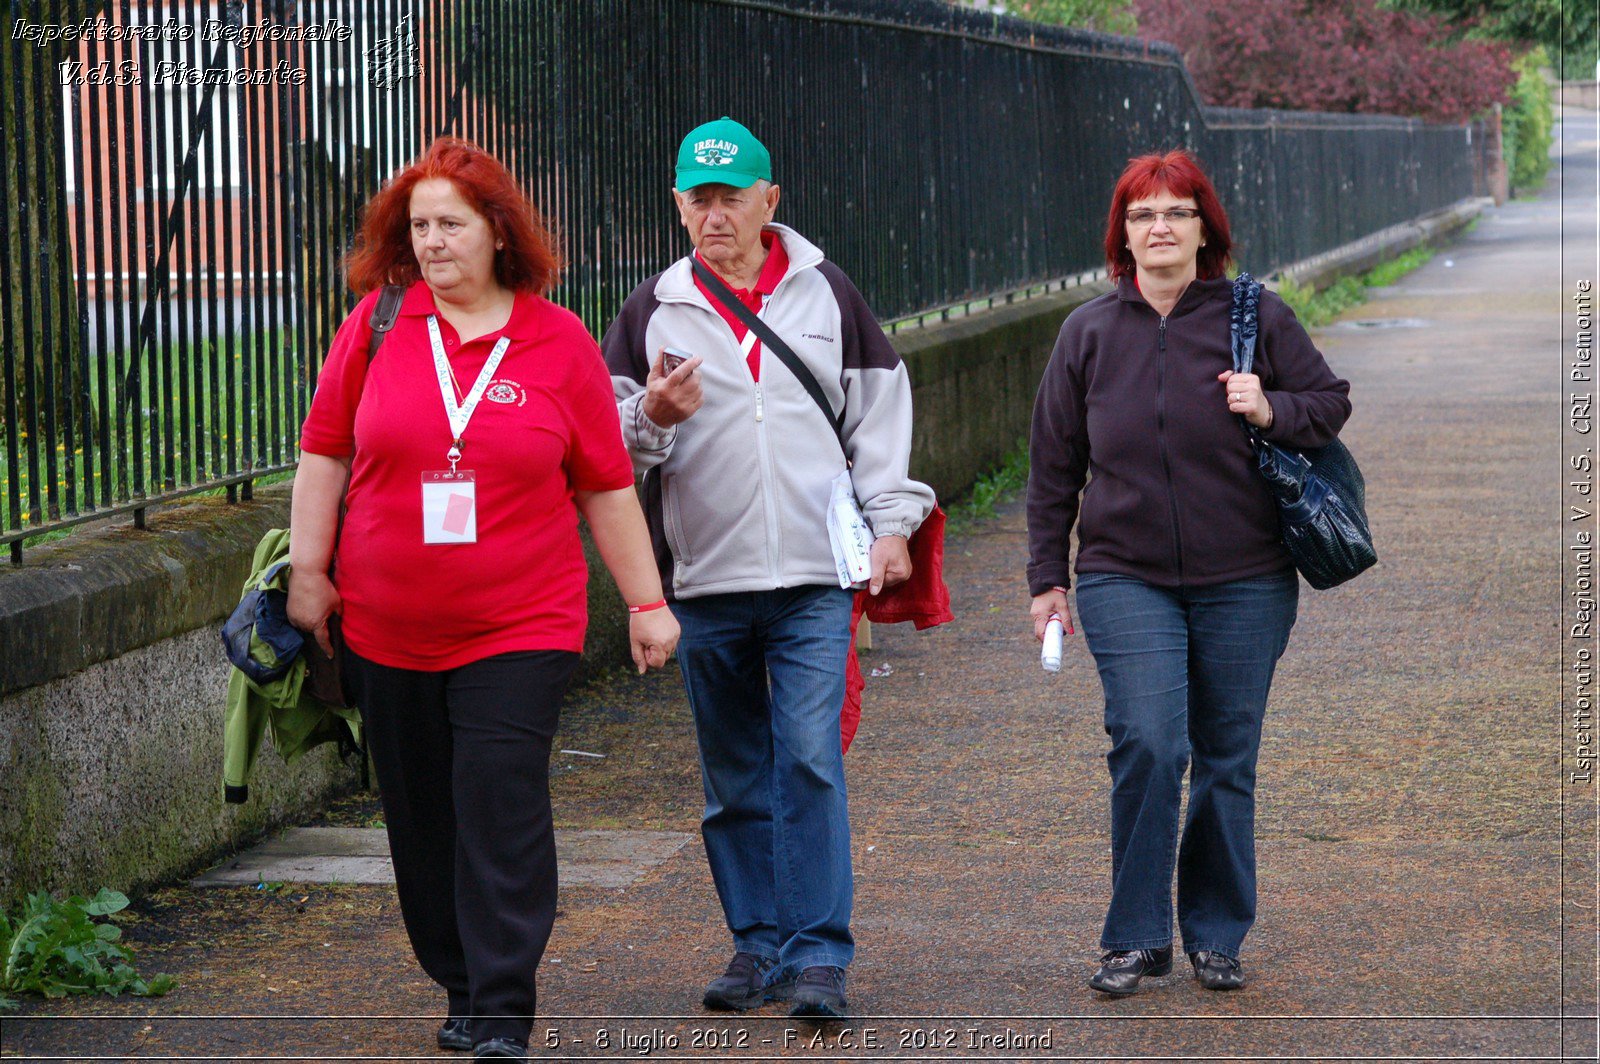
(161, 325)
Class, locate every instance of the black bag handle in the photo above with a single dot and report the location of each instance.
(1245, 319)
(724, 295)
(1244, 322)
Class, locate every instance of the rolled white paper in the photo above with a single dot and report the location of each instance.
(1050, 657)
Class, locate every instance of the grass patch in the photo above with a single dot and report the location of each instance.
(1387, 273)
(47, 537)
(1000, 484)
(258, 482)
(1316, 309)
(195, 394)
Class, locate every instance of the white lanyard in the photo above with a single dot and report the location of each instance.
(460, 414)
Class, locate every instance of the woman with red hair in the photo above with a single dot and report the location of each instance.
(1185, 590)
(461, 452)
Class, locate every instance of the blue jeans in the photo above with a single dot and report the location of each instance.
(765, 676)
(1186, 674)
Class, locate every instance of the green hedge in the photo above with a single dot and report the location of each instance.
(1526, 124)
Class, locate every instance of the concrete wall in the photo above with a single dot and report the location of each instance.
(112, 679)
(112, 683)
(1433, 230)
(1584, 94)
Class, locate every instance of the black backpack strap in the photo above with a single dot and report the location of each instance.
(724, 295)
(383, 316)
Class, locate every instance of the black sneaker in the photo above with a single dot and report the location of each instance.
(1121, 969)
(503, 1048)
(456, 1033)
(819, 993)
(1216, 971)
(742, 986)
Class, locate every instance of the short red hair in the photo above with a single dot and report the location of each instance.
(529, 261)
(1176, 172)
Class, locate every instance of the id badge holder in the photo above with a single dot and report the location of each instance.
(449, 506)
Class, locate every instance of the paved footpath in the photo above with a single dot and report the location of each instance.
(1409, 822)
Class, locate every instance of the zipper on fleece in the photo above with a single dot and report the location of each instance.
(1161, 441)
(768, 485)
(769, 502)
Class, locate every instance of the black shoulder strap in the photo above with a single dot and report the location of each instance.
(752, 321)
(383, 316)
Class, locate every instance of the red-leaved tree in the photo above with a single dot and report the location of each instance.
(1330, 55)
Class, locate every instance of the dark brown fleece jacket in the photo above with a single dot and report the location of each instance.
(1131, 406)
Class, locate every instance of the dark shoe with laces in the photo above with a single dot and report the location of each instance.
(819, 993)
(501, 1048)
(1217, 971)
(456, 1033)
(742, 986)
(1121, 969)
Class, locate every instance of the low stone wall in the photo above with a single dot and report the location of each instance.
(973, 380)
(112, 684)
(112, 678)
(1432, 230)
(1583, 94)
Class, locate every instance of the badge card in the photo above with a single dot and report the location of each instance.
(449, 506)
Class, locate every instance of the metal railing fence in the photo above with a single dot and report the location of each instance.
(181, 179)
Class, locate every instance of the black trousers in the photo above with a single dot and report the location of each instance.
(463, 762)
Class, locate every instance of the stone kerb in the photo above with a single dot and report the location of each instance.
(1431, 230)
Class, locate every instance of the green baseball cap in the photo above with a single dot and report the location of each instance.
(722, 153)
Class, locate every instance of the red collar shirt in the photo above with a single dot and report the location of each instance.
(546, 428)
(772, 272)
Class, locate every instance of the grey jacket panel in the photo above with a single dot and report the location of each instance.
(745, 481)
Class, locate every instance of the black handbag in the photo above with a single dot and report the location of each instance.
(1321, 496)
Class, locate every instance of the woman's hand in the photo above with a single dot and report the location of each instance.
(312, 600)
(653, 636)
(1246, 398)
(313, 526)
(1051, 602)
(619, 532)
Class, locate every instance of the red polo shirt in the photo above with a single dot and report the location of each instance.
(772, 272)
(546, 428)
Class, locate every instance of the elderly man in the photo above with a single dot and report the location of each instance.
(741, 456)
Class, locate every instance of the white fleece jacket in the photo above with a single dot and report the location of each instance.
(737, 495)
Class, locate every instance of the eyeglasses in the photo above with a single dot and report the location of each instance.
(1145, 219)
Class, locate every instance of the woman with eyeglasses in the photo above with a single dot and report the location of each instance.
(1184, 588)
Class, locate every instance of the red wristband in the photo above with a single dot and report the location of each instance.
(648, 606)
